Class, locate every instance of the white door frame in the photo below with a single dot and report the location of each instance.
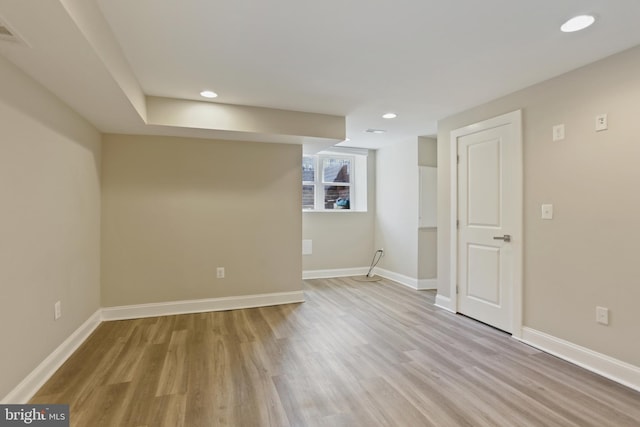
(514, 118)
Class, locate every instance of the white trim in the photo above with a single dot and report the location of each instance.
(397, 277)
(427, 284)
(341, 151)
(444, 303)
(410, 282)
(334, 211)
(200, 305)
(357, 186)
(36, 379)
(601, 364)
(416, 284)
(319, 182)
(515, 118)
(337, 272)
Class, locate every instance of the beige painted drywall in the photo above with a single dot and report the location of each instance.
(49, 223)
(243, 118)
(428, 151)
(427, 253)
(90, 20)
(175, 209)
(396, 224)
(427, 237)
(588, 254)
(342, 239)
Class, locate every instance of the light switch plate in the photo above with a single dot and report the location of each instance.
(57, 310)
(547, 211)
(307, 247)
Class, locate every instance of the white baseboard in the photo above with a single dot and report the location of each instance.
(201, 305)
(601, 364)
(337, 272)
(36, 379)
(427, 284)
(407, 281)
(445, 303)
(420, 285)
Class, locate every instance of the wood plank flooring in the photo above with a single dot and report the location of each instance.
(355, 354)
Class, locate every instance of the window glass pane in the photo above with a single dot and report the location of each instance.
(336, 170)
(336, 197)
(308, 169)
(308, 197)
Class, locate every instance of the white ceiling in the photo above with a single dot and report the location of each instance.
(421, 59)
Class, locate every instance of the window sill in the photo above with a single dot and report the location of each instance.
(338, 211)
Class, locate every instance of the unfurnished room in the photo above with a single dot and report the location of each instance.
(336, 213)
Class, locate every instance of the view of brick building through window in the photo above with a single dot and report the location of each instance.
(326, 182)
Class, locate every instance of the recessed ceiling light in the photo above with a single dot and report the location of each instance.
(577, 23)
(208, 94)
(375, 131)
(389, 116)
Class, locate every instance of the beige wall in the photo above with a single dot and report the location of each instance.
(427, 253)
(428, 151)
(342, 239)
(396, 221)
(427, 237)
(588, 254)
(49, 223)
(174, 209)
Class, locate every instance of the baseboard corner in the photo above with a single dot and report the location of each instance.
(427, 284)
(28, 387)
(407, 281)
(445, 303)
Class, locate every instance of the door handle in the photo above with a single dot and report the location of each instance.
(506, 238)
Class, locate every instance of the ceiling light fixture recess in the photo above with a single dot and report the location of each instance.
(208, 94)
(577, 23)
(375, 131)
(389, 116)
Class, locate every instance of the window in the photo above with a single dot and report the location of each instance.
(330, 182)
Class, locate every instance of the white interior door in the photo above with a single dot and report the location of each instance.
(489, 223)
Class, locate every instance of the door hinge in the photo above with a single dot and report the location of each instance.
(458, 159)
(457, 290)
(457, 223)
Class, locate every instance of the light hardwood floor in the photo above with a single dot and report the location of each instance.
(355, 354)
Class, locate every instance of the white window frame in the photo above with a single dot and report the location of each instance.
(357, 180)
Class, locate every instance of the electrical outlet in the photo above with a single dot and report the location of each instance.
(558, 132)
(602, 315)
(220, 272)
(601, 122)
(57, 310)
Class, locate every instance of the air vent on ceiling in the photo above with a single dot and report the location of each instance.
(7, 34)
